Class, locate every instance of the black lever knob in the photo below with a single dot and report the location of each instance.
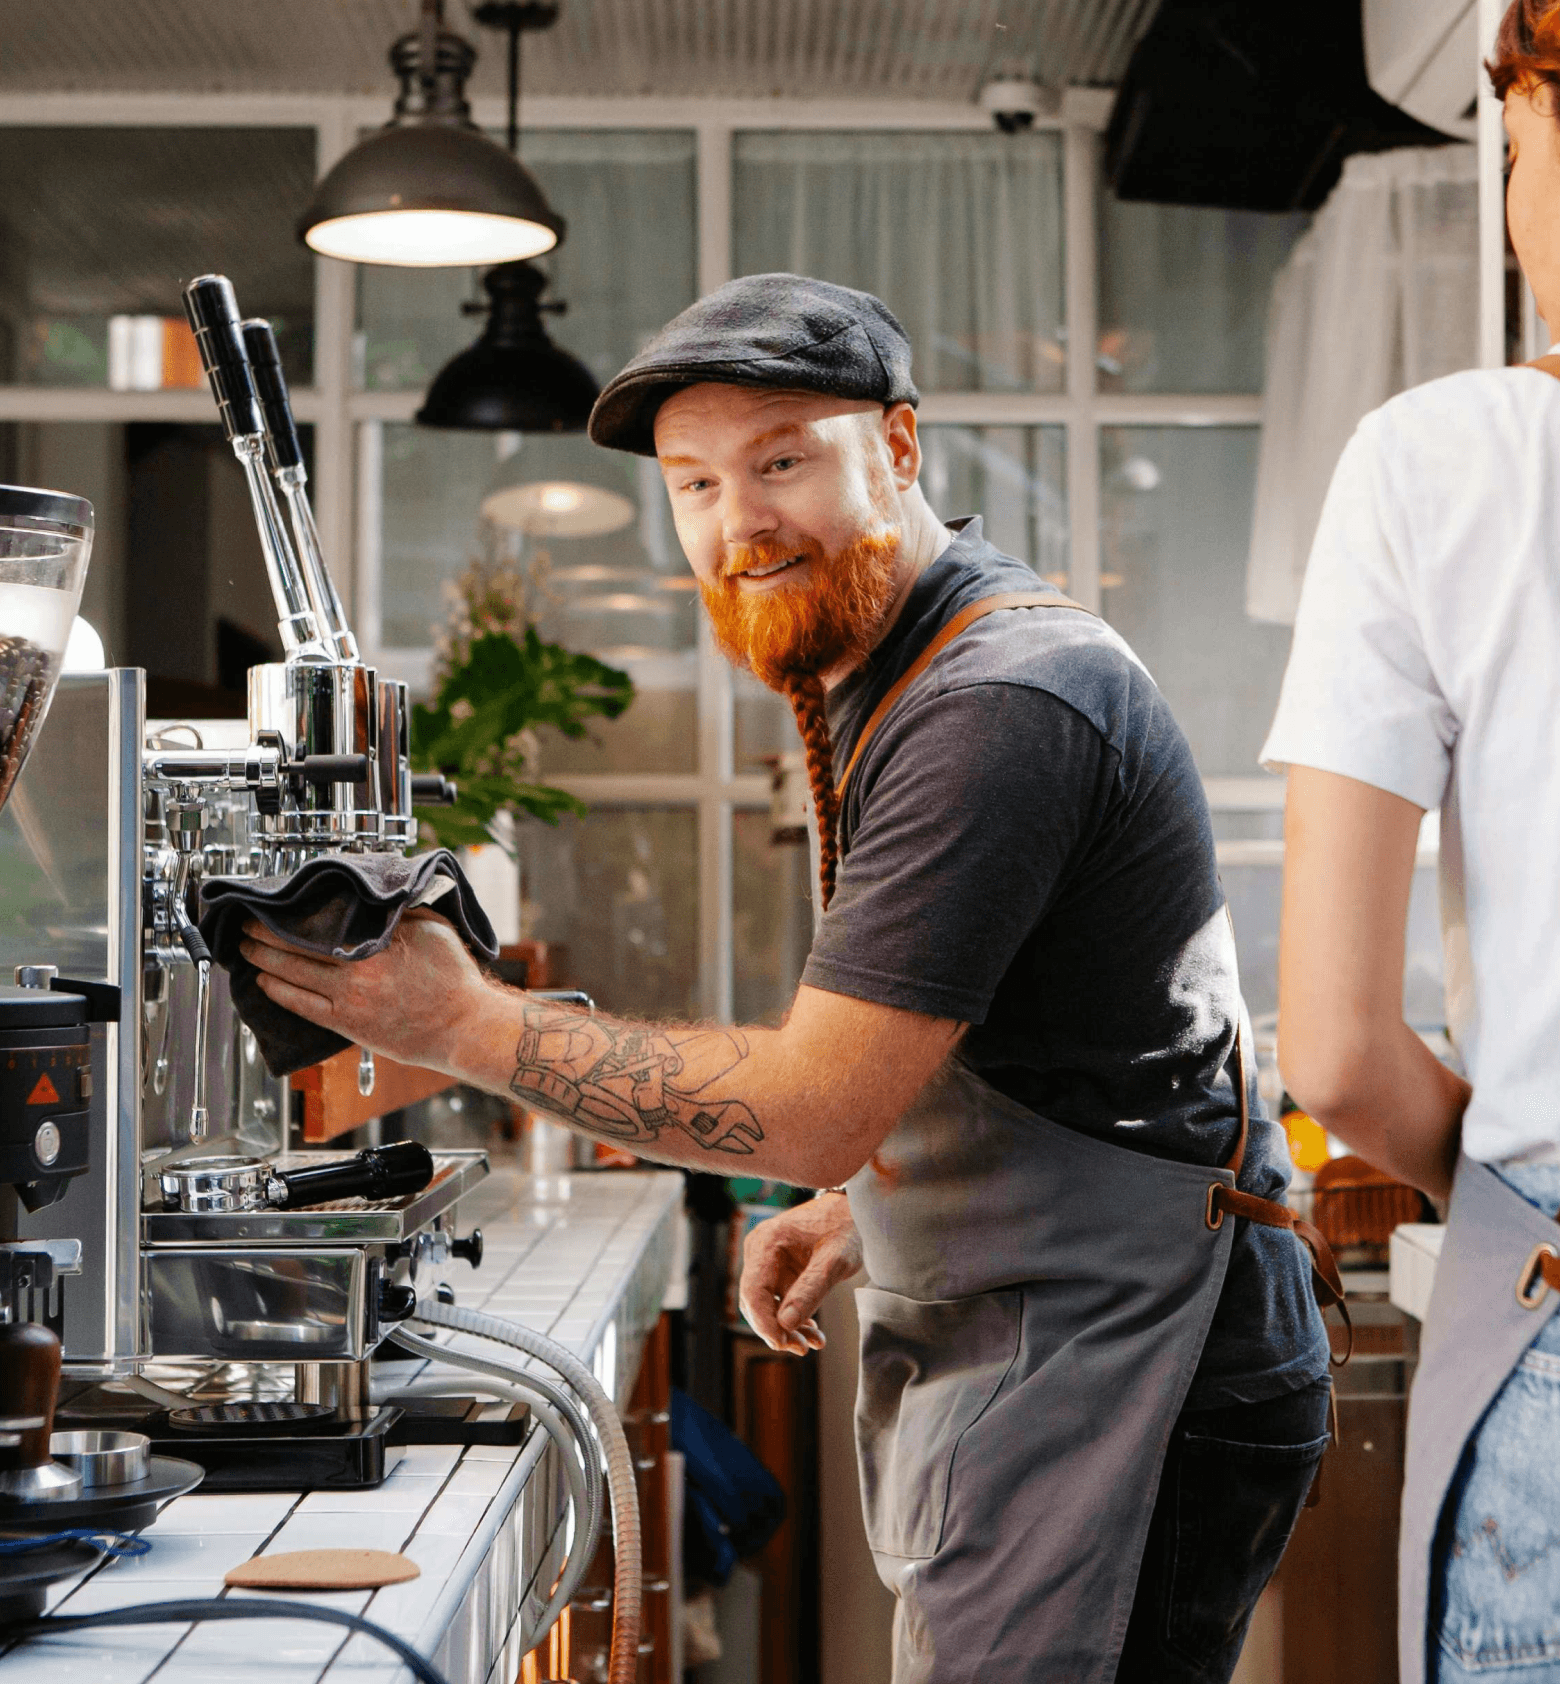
(396, 1302)
(330, 769)
(271, 384)
(382, 1172)
(433, 789)
(470, 1248)
(213, 312)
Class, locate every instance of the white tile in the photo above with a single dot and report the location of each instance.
(478, 1478)
(261, 1511)
(56, 1593)
(409, 1496)
(291, 1643)
(505, 1453)
(387, 1530)
(184, 1557)
(55, 1660)
(427, 1459)
(456, 1514)
(177, 1670)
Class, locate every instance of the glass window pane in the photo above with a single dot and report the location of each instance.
(764, 724)
(177, 583)
(624, 594)
(1014, 477)
(1183, 295)
(105, 225)
(619, 890)
(1254, 890)
(959, 234)
(1175, 528)
(625, 268)
(771, 919)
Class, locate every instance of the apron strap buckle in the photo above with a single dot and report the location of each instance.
(1213, 1212)
(1539, 1273)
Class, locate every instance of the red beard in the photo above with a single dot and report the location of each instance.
(834, 618)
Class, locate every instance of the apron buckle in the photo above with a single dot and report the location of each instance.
(1213, 1215)
(1533, 1281)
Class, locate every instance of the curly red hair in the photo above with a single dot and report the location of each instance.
(1527, 48)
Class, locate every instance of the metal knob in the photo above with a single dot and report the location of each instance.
(35, 976)
(396, 1302)
(470, 1248)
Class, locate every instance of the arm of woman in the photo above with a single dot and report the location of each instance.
(1347, 1055)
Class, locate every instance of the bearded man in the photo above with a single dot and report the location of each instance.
(1093, 1383)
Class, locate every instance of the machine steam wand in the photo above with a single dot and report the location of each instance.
(292, 477)
(213, 314)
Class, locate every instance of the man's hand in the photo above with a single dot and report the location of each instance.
(408, 1002)
(790, 1263)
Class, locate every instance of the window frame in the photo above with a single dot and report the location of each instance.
(345, 432)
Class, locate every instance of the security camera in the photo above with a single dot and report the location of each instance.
(1015, 102)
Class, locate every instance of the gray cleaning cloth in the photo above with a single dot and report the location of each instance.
(341, 906)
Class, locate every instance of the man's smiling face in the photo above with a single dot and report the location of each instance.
(786, 505)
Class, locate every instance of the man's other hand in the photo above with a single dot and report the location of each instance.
(408, 1002)
(790, 1263)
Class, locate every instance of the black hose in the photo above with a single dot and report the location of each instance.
(217, 1608)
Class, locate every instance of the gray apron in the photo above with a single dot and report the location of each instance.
(1495, 1286)
(1039, 1305)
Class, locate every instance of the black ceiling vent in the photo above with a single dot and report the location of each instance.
(1250, 105)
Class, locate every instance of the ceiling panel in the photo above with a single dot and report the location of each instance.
(917, 49)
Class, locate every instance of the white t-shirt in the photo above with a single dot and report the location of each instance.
(1426, 661)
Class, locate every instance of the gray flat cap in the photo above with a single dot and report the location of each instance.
(764, 330)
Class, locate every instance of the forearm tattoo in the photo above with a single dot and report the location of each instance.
(629, 1083)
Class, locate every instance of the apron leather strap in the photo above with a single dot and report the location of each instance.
(961, 622)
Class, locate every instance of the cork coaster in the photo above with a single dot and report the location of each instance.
(323, 1570)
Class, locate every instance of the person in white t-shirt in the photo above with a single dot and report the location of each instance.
(1425, 674)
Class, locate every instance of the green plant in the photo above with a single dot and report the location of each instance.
(497, 681)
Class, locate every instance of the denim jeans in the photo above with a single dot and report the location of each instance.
(1495, 1573)
(1234, 1483)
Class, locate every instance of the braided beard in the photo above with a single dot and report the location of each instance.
(788, 636)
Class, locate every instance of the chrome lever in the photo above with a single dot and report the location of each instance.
(184, 825)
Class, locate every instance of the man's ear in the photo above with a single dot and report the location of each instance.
(904, 446)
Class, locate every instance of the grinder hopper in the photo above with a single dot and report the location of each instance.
(45, 540)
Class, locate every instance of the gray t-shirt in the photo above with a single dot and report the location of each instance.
(1027, 849)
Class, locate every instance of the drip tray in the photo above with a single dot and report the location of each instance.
(266, 1452)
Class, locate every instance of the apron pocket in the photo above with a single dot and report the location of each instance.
(1496, 1608)
(929, 1370)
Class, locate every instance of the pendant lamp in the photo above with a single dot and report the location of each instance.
(430, 190)
(514, 379)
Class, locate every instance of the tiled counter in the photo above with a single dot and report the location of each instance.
(585, 1259)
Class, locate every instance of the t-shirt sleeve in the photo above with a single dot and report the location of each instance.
(979, 798)
(1359, 697)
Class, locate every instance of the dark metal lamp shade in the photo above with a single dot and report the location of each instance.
(430, 195)
(430, 190)
(514, 379)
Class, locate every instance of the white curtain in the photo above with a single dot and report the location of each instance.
(1381, 294)
(959, 234)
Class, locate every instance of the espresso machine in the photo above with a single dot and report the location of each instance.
(210, 1286)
